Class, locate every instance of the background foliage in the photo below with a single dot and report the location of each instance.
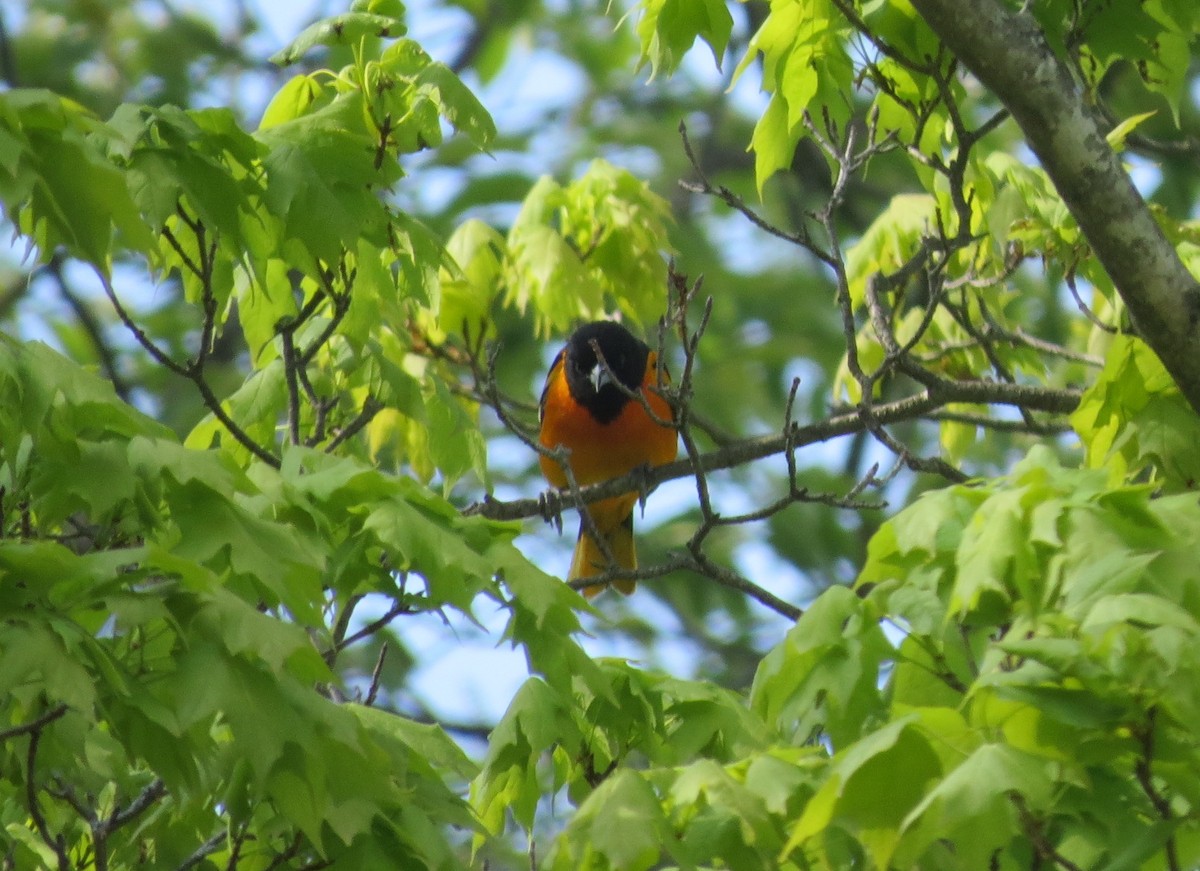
(921, 592)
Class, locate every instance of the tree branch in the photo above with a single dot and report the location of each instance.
(1145, 777)
(140, 804)
(34, 725)
(845, 423)
(54, 842)
(204, 850)
(1008, 52)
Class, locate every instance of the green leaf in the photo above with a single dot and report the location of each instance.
(71, 194)
(265, 305)
(535, 720)
(871, 787)
(420, 256)
(469, 290)
(36, 656)
(995, 549)
(888, 243)
(244, 629)
(422, 538)
(1140, 609)
(543, 620)
(1134, 418)
(548, 274)
(667, 29)
(457, 104)
(455, 443)
(573, 249)
(96, 480)
(1145, 35)
(391, 8)
(320, 171)
(621, 825)
(39, 852)
(823, 678)
(278, 563)
(803, 55)
(428, 741)
(957, 438)
(725, 819)
(783, 782)
(294, 100)
(1117, 136)
(972, 801)
(346, 29)
(922, 679)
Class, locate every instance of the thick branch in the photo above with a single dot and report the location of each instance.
(1008, 53)
(552, 503)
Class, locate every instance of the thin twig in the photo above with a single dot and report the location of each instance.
(54, 842)
(291, 369)
(376, 676)
(371, 407)
(140, 804)
(801, 237)
(374, 626)
(213, 404)
(35, 725)
(192, 372)
(160, 356)
(1084, 308)
(1035, 831)
(1145, 776)
(204, 851)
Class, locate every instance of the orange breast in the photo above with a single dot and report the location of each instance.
(603, 451)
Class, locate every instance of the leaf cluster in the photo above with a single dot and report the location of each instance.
(188, 614)
(1010, 683)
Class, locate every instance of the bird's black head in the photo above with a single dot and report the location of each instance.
(590, 384)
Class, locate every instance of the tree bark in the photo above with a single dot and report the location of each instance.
(1007, 52)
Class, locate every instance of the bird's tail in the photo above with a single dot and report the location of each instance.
(589, 559)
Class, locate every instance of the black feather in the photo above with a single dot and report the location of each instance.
(626, 357)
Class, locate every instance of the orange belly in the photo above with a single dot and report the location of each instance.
(600, 452)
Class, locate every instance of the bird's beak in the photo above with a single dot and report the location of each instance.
(599, 376)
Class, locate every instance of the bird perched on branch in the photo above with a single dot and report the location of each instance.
(600, 404)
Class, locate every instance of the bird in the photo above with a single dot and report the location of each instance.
(608, 433)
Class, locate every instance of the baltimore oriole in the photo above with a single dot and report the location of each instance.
(608, 433)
